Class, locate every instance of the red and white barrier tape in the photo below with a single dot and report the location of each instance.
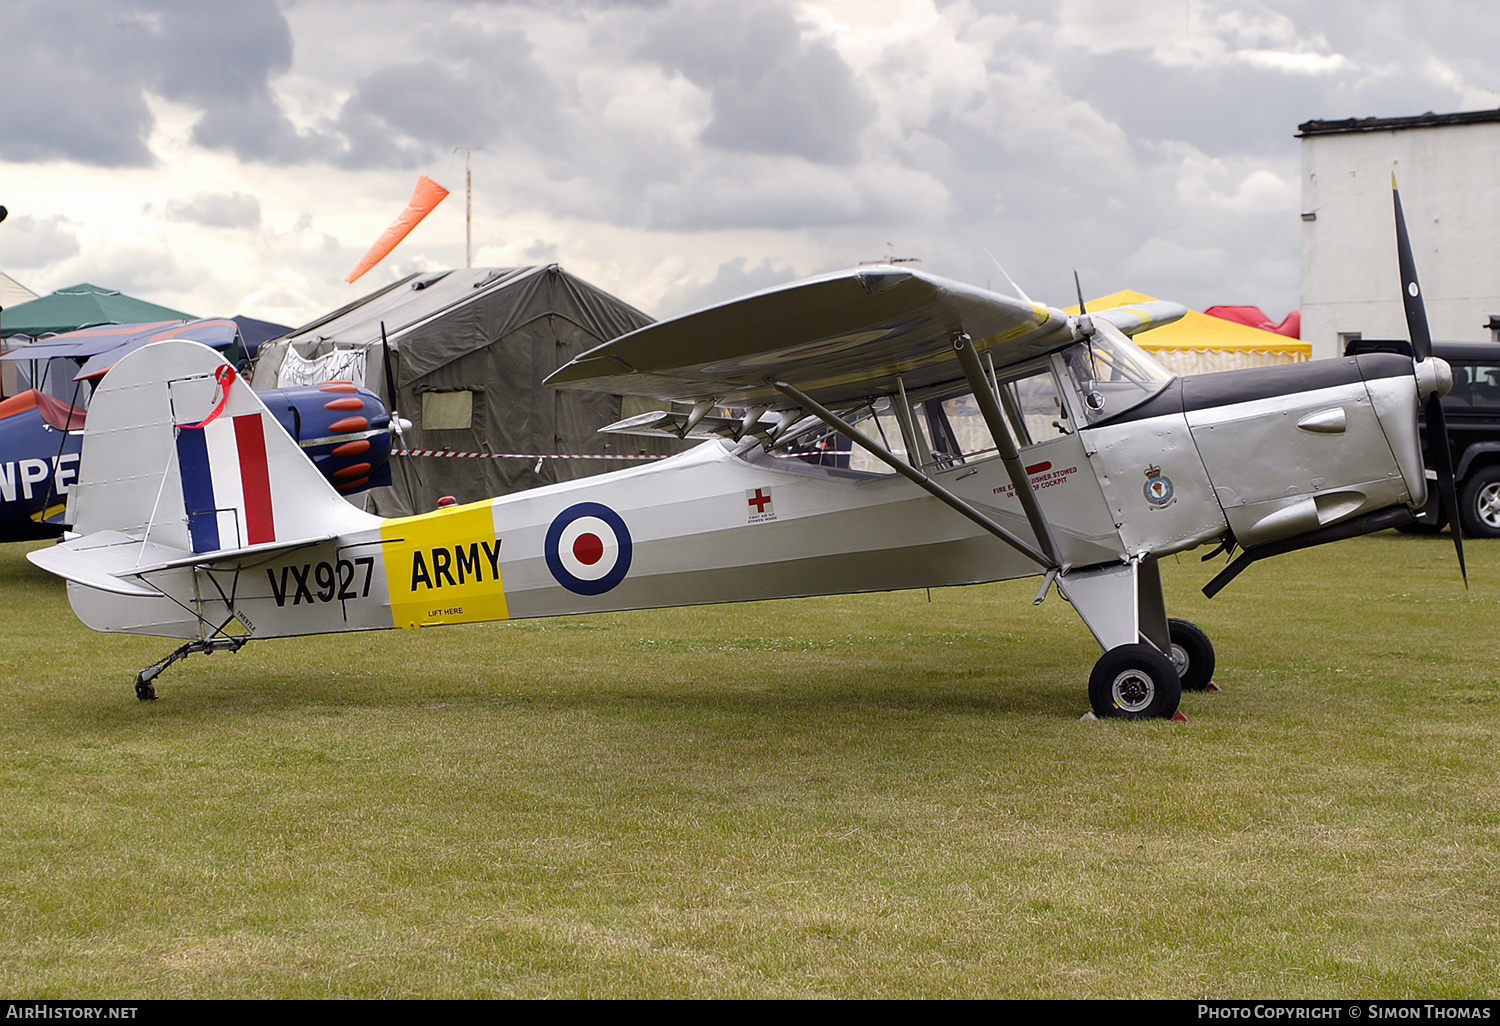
(515, 455)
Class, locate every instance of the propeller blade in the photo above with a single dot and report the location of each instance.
(1421, 350)
(1078, 287)
(1411, 292)
(390, 382)
(390, 387)
(1442, 462)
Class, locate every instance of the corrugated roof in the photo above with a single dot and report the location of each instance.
(1428, 120)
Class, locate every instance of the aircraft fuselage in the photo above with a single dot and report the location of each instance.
(710, 525)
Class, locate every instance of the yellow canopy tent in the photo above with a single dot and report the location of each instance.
(1200, 344)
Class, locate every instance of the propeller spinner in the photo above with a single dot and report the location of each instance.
(1421, 348)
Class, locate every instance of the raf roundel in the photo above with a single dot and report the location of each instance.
(588, 548)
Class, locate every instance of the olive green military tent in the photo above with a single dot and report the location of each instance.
(469, 350)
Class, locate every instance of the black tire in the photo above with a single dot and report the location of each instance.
(1134, 682)
(1192, 655)
(1479, 505)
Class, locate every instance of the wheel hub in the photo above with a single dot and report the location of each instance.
(1132, 691)
(1180, 660)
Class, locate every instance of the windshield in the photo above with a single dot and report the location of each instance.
(1112, 373)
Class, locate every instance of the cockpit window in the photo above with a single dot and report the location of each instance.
(946, 429)
(1034, 408)
(1112, 373)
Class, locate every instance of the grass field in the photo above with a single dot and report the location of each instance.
(873, 796)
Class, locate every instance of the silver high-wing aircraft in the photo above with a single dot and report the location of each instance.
(1082, 461)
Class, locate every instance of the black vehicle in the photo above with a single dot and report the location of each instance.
(1472, 410)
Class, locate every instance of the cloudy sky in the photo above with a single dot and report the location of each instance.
(239, 158)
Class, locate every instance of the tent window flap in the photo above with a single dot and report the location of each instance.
(448, 411)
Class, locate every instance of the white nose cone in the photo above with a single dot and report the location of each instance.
(1434, 377)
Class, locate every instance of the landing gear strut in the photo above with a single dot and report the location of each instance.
(145, 690)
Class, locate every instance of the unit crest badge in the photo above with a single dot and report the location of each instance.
(1158, 489)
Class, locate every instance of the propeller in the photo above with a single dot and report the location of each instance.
(1421, 351)
(390, 387)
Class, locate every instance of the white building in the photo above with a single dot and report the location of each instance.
(1448, 168)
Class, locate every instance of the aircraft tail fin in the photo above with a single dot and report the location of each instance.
(181, 453)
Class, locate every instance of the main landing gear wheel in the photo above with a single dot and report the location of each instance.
(1192, 655)
(1134, 682)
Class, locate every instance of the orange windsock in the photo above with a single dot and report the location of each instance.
(427, 195)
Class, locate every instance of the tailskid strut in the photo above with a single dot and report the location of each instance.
(146, 691)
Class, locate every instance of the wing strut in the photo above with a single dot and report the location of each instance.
(916, 442)
(909, 472)
(984, 394)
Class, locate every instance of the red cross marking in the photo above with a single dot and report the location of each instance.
(759, 501)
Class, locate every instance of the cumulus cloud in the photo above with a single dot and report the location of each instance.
(216, 210)
(31, 242)
(773, 90)
(79, 72)
(690, 147)
(63, 100)
(284, 299)
(733, 278)
(478, 88)
(150, 271)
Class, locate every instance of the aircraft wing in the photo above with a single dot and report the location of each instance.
(218, 333)
(104, 346)
(838, 337)
(1138, 317)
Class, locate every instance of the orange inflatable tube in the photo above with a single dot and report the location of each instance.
(427, 195)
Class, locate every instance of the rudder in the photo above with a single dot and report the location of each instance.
(179, 448)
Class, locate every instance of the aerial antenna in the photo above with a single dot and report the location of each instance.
(1014, 287)
(468, 204)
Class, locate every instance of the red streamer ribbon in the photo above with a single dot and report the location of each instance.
(223, 378)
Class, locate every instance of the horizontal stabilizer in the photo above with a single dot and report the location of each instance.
(116, 562)
(183, 466)
(104, 560)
